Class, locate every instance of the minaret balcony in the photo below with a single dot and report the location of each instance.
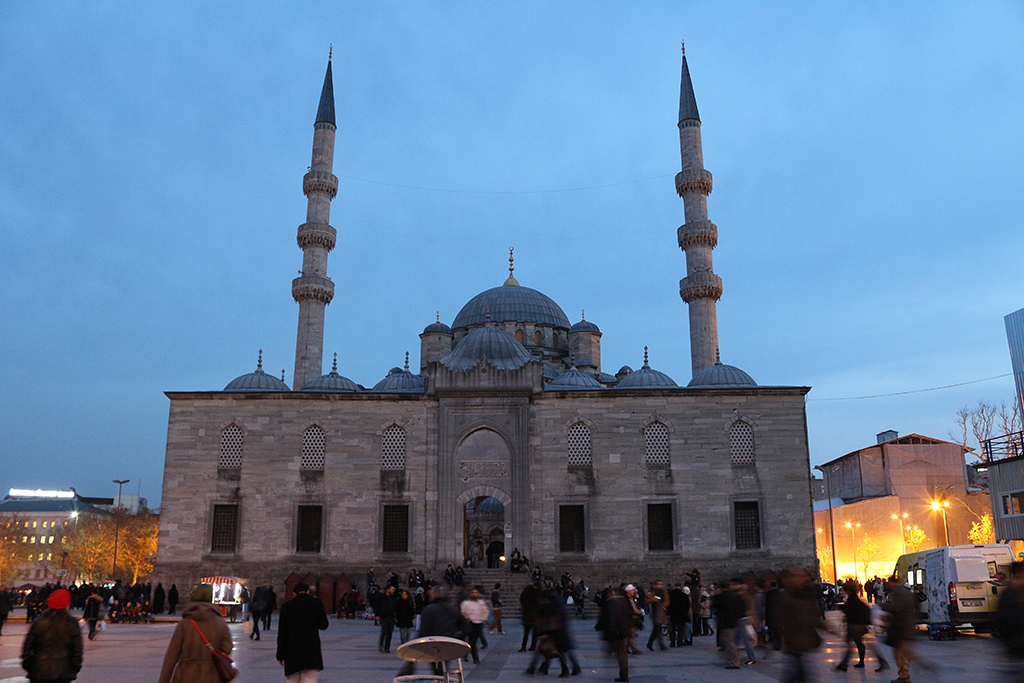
(701, 285)
(312, 288)
(317, 235)
(695, 180)
(321, 183)
(697, 233)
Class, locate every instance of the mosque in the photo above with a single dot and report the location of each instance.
(509, 431)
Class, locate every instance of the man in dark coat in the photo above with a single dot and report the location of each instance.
(678, 616)
(529, 599)
(384, 610)
(441, 617)
(800, 619)
(298, 637)
(1010, 620)
(730, 607)
(617, 624)
(902, 627)
(270, 607)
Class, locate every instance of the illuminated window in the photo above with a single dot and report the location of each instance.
(313, 443)
(33, 540)
(49, 556)
(231, 448)
(51, 540)
(656, 439)
(24, 539)
(741, 443)
(392, 449)
(1013, 503)
(33, 525)
(579, 450)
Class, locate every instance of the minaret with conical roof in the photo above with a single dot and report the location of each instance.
(701, 288)
(312, 290)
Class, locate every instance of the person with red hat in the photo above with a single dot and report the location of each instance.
(52, 650)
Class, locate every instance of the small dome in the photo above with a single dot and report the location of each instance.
(257, 381)
(605, 378)
(511, 303)
(624, 370)
(399, 380)
(331, 382)
(574, 379)
(499, 348)
(395, 370)
(646, 378)
(720, 375)
(584, 326)
(437, 326)
(490, 506)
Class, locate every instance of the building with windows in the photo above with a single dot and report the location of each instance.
(509, 430)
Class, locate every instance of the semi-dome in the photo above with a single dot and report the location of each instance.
(257, 381)
(574, 379)
(511, 303)
(499, 348)
(490, 506)
(721, 375)
(646, 378)
(331, 382)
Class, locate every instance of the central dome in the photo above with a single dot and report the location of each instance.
(511, 303)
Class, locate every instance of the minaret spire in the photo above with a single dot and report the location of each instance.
(701, 288)
(313, 290)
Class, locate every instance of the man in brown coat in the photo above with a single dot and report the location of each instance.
(800, 618)
(188, 660)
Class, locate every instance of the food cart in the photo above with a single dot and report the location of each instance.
(226, 593)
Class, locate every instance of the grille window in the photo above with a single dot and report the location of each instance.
(309, 529)
(741, 443)
(392, 451)
(231, 448)
(579, 445)
(570, 529)
(659, 527)
(396, 528)
(747, 519)
(225, 529)
(656, 438)
(313, 442)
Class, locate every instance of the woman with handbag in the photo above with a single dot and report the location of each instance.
(199, 638)
(52, 650)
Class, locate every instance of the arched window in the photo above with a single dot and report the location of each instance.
(741, 443)
(231, 448)
(538, 338)
(392, 449)
(656, 439)
(579, 450)
(313, 442)
(520, 336)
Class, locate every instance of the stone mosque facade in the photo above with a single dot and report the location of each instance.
(510, 430)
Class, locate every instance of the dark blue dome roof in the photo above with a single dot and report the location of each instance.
(499, 348)
(584, 326)
(720, 375)
(490, 506)
(574, 379)
(400, 380)
(646, 378)
(511, 303)
(437, 327)
(257, 381)
(332, 381)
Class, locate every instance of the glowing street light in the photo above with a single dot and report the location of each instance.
(903, 538)
(117, 524)
(941, 506)
(853, 537)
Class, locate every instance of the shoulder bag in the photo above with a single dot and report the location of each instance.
(221, 661)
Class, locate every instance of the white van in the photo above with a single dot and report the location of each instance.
(957, 584)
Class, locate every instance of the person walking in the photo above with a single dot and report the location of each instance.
(256, 609)
(496, 610)
(658, 603)
(270, 607)
(93, 612)
(800, 618)
(441, 617)
(549, 621)
(298, 636)
(730, 608)
(384, 610)
(172, 599)
(188, 658)
(858, 620)
(52, 650)
(405, 615)
(704, 612)
(6, 605)
(1010, 623)
(617, 621)
(476, 612)
(529, 600)
(902, 628)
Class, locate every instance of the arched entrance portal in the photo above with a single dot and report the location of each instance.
(483, 532)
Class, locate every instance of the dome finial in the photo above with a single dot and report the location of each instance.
(439, 316)
(645, 357)
(334, 368)
(583, 314)
(511, 281)
(259, 362)
(407, 361)
(330, 52)
(718, 356)
(282, 374)
(682, 44)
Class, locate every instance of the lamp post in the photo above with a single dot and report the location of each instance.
(117, 523)
(899, 521)
(831, 526)
(853, 538)
(941, 507)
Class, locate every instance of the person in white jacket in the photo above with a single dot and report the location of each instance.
(475, 609)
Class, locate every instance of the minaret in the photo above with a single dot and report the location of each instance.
(701, 288)
(313, 290)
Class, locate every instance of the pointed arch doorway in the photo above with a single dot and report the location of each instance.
(486, 528)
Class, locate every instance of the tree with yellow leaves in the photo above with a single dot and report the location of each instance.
(917, 540)
(982, 531)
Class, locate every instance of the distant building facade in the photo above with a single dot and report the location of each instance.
(510, 429)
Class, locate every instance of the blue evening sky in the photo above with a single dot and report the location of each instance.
(867, 158)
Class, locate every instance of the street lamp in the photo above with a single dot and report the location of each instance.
(936, 505)
(899, 522)
(117, 522)
(853, 537)
(831, 526)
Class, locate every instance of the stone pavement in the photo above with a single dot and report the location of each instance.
(133, 653)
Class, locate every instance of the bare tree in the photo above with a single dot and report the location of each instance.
(984, 422)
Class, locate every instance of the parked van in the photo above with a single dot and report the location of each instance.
(957, 584)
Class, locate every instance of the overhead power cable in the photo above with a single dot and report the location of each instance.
(566, 189)
(913, 391)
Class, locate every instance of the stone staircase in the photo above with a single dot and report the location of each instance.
(512, 585)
